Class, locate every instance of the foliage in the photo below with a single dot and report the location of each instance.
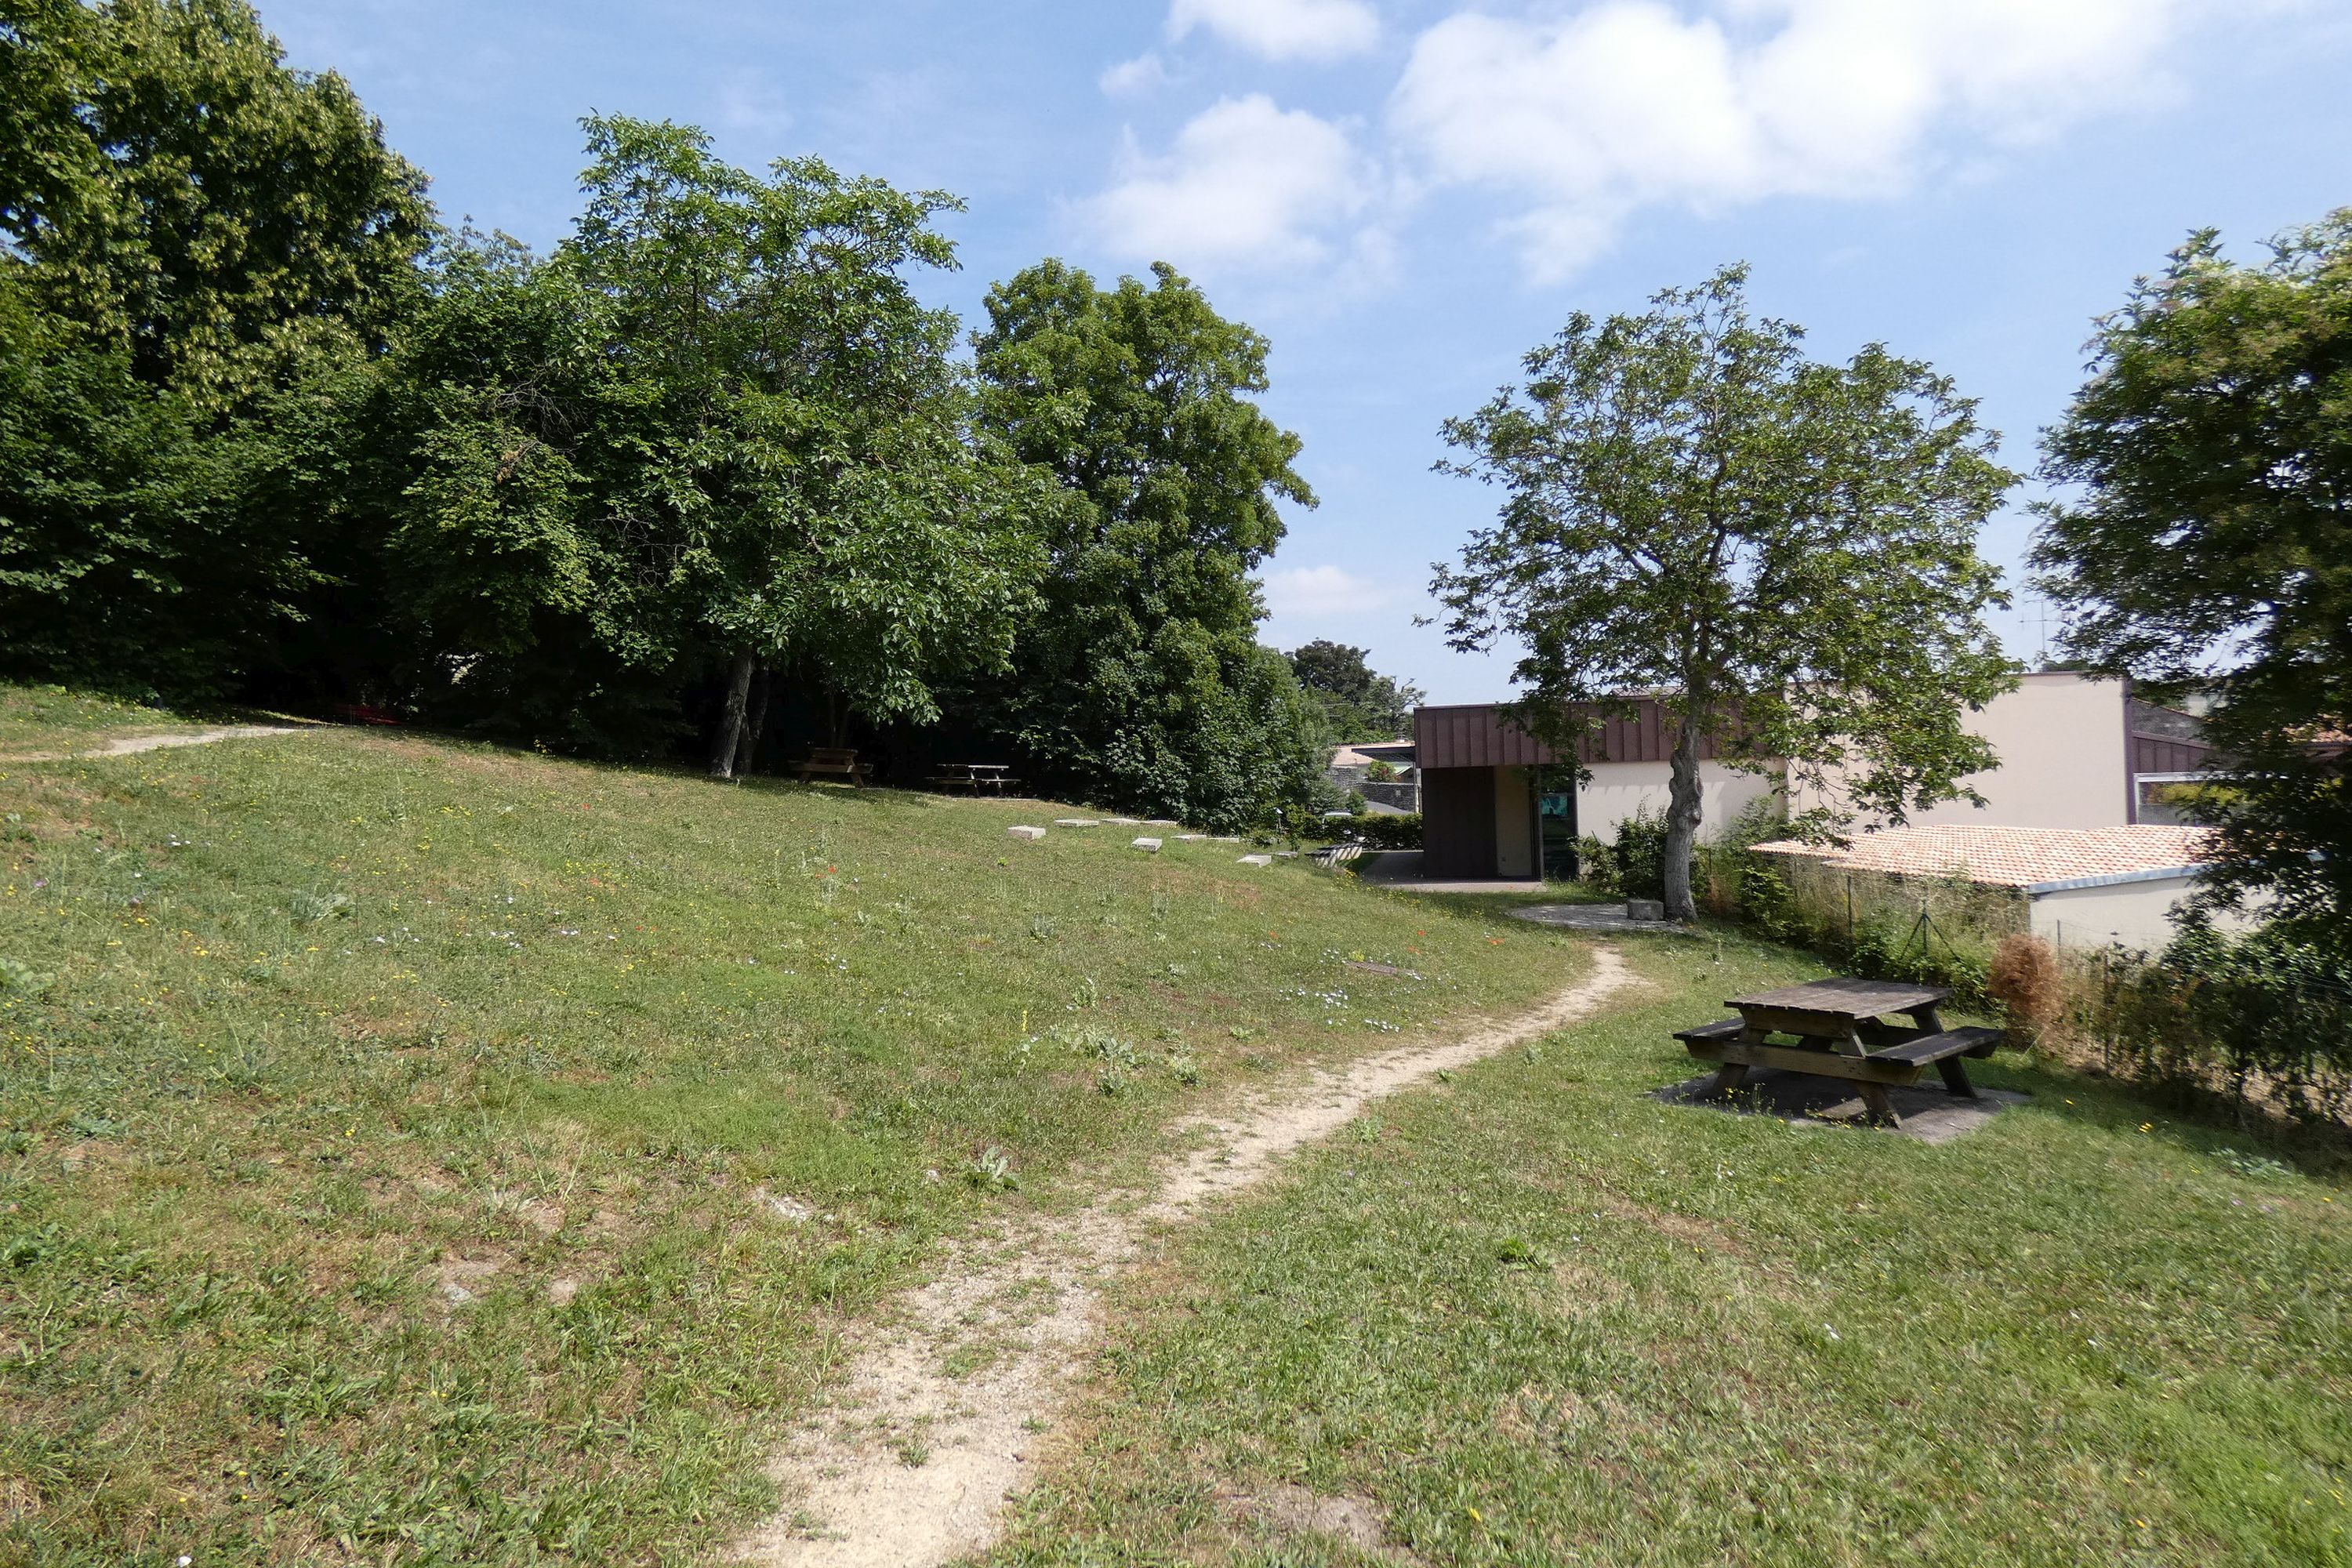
(184, 200)
(1685, 491)
(1637, 857)
(714, 427)
(327, 1016)
(2265, 1017)
(2207, 546)
(121, 557)
(1140, 682)
(191, 232)
(1383, 830)
(1356, 704)
(1725, 863)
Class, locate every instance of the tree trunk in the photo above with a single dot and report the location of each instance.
(755, 718)
(1681, 821)
(836, 718)
(731, 720)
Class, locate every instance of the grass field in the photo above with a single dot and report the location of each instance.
(1536, 1317)
(415, 1151)
(61, 718)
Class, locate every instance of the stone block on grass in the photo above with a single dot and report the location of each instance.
(1026, 832)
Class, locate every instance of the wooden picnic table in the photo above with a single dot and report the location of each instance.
(1839, 1030)
(975, 776)
(832, 762)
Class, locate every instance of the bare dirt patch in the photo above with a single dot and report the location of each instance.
(913, 1463)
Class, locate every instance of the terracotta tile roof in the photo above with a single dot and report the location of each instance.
(2013, 857)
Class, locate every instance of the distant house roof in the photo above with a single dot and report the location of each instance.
(2038, 859)
(1365, 753)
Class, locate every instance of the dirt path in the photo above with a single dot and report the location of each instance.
(912, 1464)
(131, 745)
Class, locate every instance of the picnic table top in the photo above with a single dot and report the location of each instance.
(1849, 999)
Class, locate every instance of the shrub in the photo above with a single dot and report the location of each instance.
(2028, 982)
(1380, 831)
(2263, 1018)
(1723, 865)
(1640, 853)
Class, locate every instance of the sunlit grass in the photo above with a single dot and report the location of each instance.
(60, 718)
(1535, 1316)
(419, 1151)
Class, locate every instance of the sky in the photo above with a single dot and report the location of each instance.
(1405, 196)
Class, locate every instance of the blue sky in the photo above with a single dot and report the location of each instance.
(1406, 194)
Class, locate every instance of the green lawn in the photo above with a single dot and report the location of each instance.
(415, 1151)
(61, 718)
(1535, 1316)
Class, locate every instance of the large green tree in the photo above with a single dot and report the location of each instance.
(176, 192)
(2204, 544)
(714, 431)
(1142, 683)
(1783, 550)
(189, 231)
(1356, 702)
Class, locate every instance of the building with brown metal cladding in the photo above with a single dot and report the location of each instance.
(1496, 802)
(2077, 751)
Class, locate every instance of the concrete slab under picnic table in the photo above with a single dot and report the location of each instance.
(1931, 1113)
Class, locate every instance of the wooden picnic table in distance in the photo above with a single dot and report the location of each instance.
(832, 762)
(1839, 1030)
(975, 776)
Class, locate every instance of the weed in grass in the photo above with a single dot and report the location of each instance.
(2254, 1165)
(991, 1171)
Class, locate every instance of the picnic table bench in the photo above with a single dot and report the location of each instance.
(975, 776)
(1839, 1030)
(833, 761)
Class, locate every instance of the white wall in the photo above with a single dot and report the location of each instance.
(1617, 790)
(2132, 913)
(2064, 759)
(2063, 754)
(1514, 823)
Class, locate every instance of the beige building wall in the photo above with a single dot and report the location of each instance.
(1514, 823)
(2064, 758)
(1617, 790)
(2136, 914)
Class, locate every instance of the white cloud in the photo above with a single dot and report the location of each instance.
(1135, 76)
(1245, 182)
(749, 101)
(1281, 30)
(1309, 591)
(1590, 115)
